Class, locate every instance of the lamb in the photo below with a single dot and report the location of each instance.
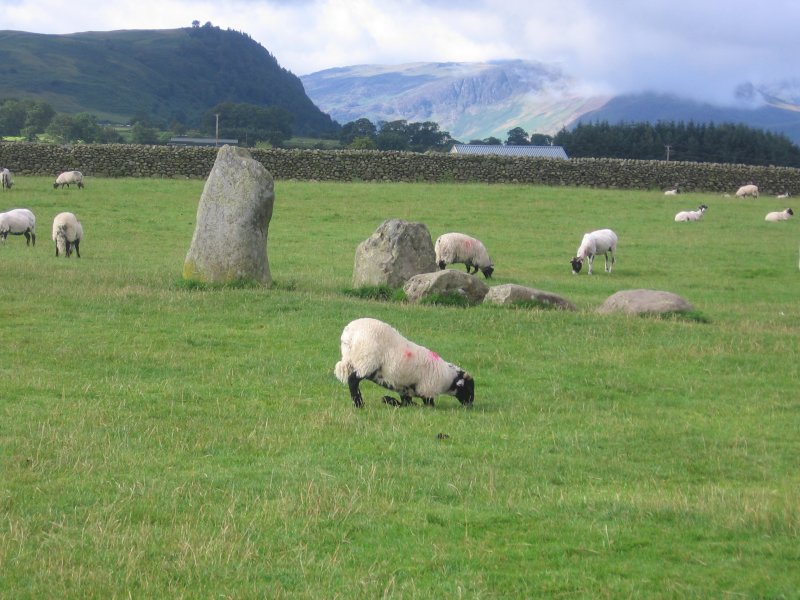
(67, 234)
(454, 248)
(6, 181)
(747, 190)
(68, 177)
(19, 221)
(374, 350)
(602, 242)
(779, 216)
(691, 215)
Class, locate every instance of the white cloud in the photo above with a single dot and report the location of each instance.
(705, 48)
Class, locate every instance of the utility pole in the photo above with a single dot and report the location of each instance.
(668, 147)
(216, 133)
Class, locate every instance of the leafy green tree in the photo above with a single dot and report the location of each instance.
(82, 127)
(12, 117)
(140, 134)
(38, 116)
(517, 137)
(362, 143)
(540, 139)
(360, 128)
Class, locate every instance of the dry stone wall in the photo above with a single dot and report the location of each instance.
(129, 160)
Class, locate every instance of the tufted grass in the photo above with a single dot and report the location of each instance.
(165, 439)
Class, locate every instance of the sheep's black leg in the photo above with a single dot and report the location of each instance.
(427, 401)
(69, 249)
(442, 265)
(27, 238)
(352, 382)
(77, 243)
(33, 237)
(404, 401)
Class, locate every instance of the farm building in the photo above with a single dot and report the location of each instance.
(532, 151)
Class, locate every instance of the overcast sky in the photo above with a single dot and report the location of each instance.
(701, 48)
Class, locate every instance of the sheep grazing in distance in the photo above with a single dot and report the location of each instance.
(451, 248)
(67, 234)
(747, 190)
(6, 180)
(597, 242)
(783, 195)
(68, 177)
(779, 216)
(673, 192)
(19, 221)
(374, 350)
(691, 215)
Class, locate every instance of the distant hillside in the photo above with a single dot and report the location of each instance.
(783, 118)
(478, 100)
(470, 100)
(170, 74)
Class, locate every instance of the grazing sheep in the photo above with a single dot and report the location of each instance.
(673, 192)
(779, 216)
(376, 351)
(68, 177)
(454, 248)
(67, 234)
(691, 215)
(6, 180)
(747, 190)
(19, 221)
(783, 195)
(602, 242)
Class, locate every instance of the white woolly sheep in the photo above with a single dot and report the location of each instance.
(68, 177)
(6, 180)
(19, 221)
(67, 234)
(672, 192)
(374, 350)
(597, 242)
(691, 215)
(747, 190)
(454, 248)
(779, 216)
(783, 195)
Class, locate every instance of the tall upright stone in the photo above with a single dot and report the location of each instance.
(230, 238)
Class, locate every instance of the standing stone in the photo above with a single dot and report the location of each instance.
(230, 238)
(397, 251)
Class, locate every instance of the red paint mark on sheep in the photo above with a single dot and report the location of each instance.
(433, 355)
(407, 354)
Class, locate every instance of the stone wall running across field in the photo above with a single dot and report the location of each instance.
(127, 160)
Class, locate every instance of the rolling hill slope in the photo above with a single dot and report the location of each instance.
(171, 74)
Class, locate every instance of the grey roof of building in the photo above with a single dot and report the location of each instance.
(535, 151)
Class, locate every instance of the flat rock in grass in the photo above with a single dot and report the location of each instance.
(397, 251)
(230, 238)
(511, 293)
(443, 283)
(637, 302)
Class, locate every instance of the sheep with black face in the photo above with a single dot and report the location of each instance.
(376, 351)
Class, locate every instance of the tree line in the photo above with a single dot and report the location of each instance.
(691, 142)
(251, 124)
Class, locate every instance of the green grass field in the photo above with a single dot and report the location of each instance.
(159, 440)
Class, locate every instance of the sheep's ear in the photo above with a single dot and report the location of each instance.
(460, 382)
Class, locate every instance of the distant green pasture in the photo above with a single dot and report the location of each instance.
(164, 441)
